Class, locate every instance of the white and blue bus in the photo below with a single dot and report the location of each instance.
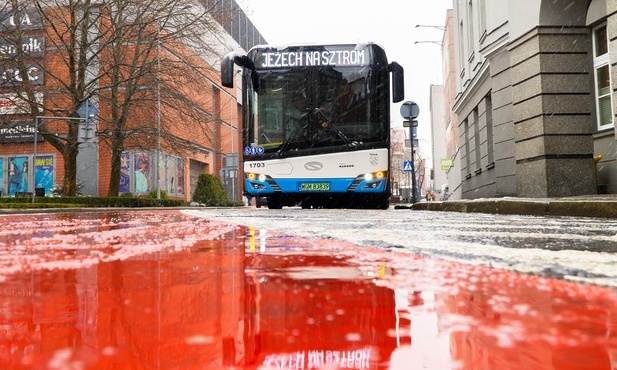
(316, 123)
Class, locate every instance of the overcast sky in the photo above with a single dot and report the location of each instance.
(389, 23)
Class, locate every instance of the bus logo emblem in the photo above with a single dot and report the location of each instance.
(313, 166)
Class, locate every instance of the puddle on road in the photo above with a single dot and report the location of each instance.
(165, 291)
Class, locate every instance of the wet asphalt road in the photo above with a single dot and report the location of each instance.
(305, 289)
(576, 249)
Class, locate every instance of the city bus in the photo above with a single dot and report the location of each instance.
(316, 123)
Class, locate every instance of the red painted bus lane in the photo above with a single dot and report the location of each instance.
(163, 290)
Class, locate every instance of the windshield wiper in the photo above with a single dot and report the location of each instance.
(334, 128)
(288, 141)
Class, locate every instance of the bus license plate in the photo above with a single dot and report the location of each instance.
(315, 186)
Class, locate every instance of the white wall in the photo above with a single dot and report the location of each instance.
(438, 134)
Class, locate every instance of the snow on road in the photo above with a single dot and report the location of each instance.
(577, 249)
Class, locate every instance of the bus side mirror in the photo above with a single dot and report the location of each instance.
(398, 82)
(227, 70)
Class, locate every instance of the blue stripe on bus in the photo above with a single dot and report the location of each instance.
(293, 186)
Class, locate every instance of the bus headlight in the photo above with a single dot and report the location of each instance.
(257, 181)
(253, 176)
(372, 181)
(375, 175)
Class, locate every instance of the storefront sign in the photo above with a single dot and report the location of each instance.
(32, 46)
(30, 19)
(11, 76)
(12, 103)
(17, 132)
(446, 164)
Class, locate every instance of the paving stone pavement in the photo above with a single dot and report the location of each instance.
(600, 206)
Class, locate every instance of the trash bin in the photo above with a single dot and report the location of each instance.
(39, 192)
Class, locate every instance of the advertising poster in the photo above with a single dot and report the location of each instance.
(162, 172)
(171, 166)
(180, 181)
(44, 173)
(125, 170)
(17, 174)
(142, 172)
(2, 192)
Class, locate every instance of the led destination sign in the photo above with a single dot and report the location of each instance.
(312, 58)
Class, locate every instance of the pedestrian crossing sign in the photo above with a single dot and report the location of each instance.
(407, 166)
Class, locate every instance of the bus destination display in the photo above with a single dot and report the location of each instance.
(312, 58)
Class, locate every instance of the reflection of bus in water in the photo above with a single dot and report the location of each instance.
(317, 123)
(304, 310)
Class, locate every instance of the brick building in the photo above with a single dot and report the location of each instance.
(189, 144)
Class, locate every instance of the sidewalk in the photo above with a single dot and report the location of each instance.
(600, 206)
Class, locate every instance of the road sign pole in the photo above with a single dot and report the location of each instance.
(410, 111)
(413, 174)
(36, 134)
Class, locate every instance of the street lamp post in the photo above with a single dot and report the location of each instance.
(443, 28)
(158, 113)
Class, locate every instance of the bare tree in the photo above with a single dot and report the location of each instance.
(144, 61)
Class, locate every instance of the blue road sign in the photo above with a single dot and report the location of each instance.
(87, 110)
(407, 166)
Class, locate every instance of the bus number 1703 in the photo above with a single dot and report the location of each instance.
(257, 165)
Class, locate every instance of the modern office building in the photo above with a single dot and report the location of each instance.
(535, 97)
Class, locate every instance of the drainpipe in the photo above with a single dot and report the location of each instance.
(597, 159)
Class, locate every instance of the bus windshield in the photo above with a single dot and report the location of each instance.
(316, 108)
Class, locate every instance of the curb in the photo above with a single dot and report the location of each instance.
(600, 208)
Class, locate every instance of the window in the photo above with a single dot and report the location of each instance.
(602, 78)
(490, 154)
(470, 31)
(461, 47)
(482, 19)
(460, 39)
(139, 176)
(467, 148)
(477, 140)
(18, 174)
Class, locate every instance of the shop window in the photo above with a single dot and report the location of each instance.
(138, 174)
(17, 175)
(44, 173)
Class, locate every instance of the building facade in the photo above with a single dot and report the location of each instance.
(438, 137)
(535, 93)
(444, 121)
(28, 163)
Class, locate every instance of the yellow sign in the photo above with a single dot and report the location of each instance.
(446, 164)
